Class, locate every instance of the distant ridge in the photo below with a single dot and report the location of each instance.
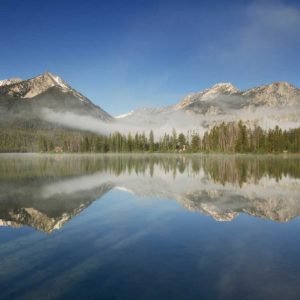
(276, 103)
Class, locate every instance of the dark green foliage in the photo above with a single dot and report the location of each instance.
(238, 138)
(195, 143)
(223, 138)
(151, 142)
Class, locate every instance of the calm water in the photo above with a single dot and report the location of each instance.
(149, 227)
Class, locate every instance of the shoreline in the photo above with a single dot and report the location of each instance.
(283, 155)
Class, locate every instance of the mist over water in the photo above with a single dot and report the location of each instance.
(143, 226)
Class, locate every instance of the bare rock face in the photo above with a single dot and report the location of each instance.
(9, 81)
(34, 86)
(273, 95)
(28, 98)
(216, 91)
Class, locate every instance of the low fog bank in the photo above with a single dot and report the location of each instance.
(160, 124)
(182, 121)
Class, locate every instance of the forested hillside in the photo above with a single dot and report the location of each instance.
(224, 138)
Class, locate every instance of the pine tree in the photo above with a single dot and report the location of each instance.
(181, 141)
(151, 142)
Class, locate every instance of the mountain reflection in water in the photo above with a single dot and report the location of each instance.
(46, 191)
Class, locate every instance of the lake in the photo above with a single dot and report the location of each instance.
(149, 227)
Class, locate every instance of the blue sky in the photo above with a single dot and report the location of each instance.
(128, 54)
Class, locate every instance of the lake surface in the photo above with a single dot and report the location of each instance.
(149, 227)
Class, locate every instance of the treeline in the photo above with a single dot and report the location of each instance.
(239, 138)
(223, 138)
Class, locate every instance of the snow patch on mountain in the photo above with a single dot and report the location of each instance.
(124, 115)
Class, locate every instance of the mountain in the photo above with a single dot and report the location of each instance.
(47, 102)
(224, 96)
(277, 94)
(27, 100)
(202, 101)
(221, 95)
(267, 106)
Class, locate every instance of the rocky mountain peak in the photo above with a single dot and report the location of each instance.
(274, 94)
(225, 88)
(37, 85)
(43, 82)
(217, 90)
(276, 87)
(47, 91)
(9, 81)
(56, 80)
(212, 93)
